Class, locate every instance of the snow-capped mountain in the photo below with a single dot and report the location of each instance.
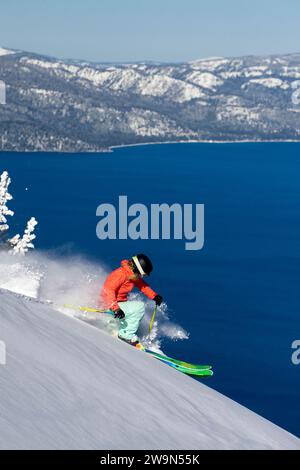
(69, 105)
(68, 385)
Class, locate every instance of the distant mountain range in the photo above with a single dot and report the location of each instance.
(76, 106)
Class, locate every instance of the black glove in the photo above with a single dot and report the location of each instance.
(158, 299)
(119, 314)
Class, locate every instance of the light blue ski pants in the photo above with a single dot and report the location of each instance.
(134, 311)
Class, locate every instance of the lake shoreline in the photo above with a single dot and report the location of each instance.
(141, 144)
(111, 148)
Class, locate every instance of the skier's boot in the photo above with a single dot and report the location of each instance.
(133, 342)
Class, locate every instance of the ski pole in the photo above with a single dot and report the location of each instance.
(152, 319)
(87, 309)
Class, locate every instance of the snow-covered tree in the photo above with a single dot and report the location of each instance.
(15, 244)
(21, 245)
(4, 197)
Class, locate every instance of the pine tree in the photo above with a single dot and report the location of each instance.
(4, 197)
(15, 244)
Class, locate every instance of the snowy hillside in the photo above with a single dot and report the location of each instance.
(65, 105)
(68, 385)
(5, 51)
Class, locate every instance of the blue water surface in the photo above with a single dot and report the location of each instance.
(238, 297)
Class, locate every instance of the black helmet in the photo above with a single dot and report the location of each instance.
(142, 264)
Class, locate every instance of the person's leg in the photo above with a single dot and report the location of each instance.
(134, 311)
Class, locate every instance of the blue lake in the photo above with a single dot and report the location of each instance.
(238, 297)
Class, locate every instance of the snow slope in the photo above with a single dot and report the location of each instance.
(68, 385)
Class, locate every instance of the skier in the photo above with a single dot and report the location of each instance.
(116, 289)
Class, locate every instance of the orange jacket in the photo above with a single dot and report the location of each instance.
(118, 285)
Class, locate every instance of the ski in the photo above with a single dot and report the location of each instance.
(195, 373)
(177, 362)
(200, 371)
(181, 366)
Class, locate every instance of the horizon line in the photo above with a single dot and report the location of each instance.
(141, 61)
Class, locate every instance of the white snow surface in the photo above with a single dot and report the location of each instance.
(268, 83)
(5, 51)
(177, 90)
(204, 79)
(69, 385)
(210, 63)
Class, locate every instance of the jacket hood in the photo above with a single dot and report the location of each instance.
(125, 264)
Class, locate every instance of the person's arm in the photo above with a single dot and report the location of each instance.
(110, 288)
(146, 289)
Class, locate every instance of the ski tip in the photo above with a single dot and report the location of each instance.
(200, 375)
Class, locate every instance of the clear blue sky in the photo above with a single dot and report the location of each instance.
(129, 30)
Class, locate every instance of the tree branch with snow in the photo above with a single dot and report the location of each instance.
(21, 245)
